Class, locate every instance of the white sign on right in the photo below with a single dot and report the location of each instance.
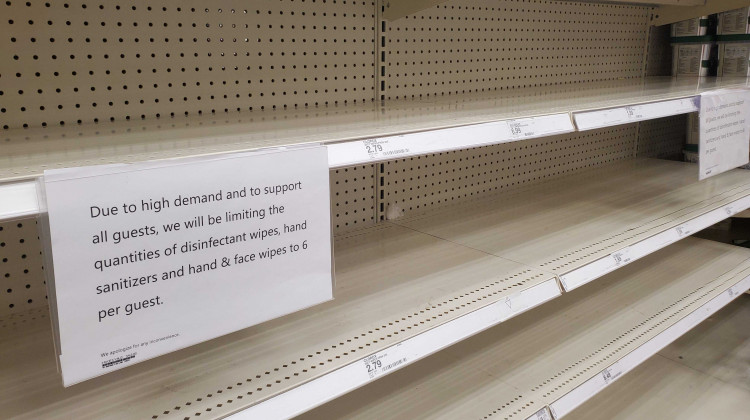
(724, 131)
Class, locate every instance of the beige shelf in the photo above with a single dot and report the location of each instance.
(585, 225)
(518, 368)
(401, 295)
(702, 375)
(26, 153)
(392, 285)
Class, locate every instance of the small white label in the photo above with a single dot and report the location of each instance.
(634, 113)
(611, 374)
(683, 231)
(383, 362)
(542, 414)
(384, 148)
(519, 129)
(621, 257)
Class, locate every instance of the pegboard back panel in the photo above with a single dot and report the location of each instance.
(21, 275)
(352, 198)
(663, 138)
(464, 46)
(414, 185)
(80, 61)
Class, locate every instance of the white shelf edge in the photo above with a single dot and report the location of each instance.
(18, 200)
(600, 118)
(568, 402)
(354, 375)
(622, 257)
(445, 139)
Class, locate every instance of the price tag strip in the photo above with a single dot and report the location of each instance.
(591, 387)
(602, 266)
(589, 120)
(391, 147)
(359, 373)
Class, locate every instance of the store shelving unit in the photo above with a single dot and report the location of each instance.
(561, 354)
(515, 165)
(402, 128)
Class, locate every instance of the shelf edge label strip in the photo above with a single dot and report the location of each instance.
(433, 141)
(589, 120)
(602, 266)
(358, 373)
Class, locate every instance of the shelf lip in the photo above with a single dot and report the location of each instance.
(624, 256)
(26, 153)
(602, 379)
(593, 119)
(18, 200)
(354, 375)
(423, 288)
(563, 351)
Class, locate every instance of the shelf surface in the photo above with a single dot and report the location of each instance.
(26, 153)
(585, 225)
(702, 375)
(392, 285)
(517, 368)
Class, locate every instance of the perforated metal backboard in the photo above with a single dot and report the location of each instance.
(663, 138)
(485, 45)
(419, 183)
(79, 61)
(21, 275)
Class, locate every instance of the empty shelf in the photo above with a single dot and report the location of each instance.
(551, 355)
(26, 153)
(703, 375)
(585, 225)
(396, 290)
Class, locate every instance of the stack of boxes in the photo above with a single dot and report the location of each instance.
(695, 52)
(733, 38)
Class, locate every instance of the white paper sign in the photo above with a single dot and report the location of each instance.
(724, 141)
(157, 256)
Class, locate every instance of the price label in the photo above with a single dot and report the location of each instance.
(611, 374)
(683, 231)
(729, 210)
(621, 257)
(383, 362)
(383, 148)
(634, 113)
(517, 129)
(542, 414)
(732, 293)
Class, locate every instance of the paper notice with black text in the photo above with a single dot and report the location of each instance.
(724, 141)
(157, 256)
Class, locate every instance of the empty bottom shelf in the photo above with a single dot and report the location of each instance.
(703, 375)
(565, 351)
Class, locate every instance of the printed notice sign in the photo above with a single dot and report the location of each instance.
(157, 256)
(724, 141)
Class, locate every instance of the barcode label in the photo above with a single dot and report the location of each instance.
(621, 257)
(380, 363)
(383, 148)
(610, 374)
